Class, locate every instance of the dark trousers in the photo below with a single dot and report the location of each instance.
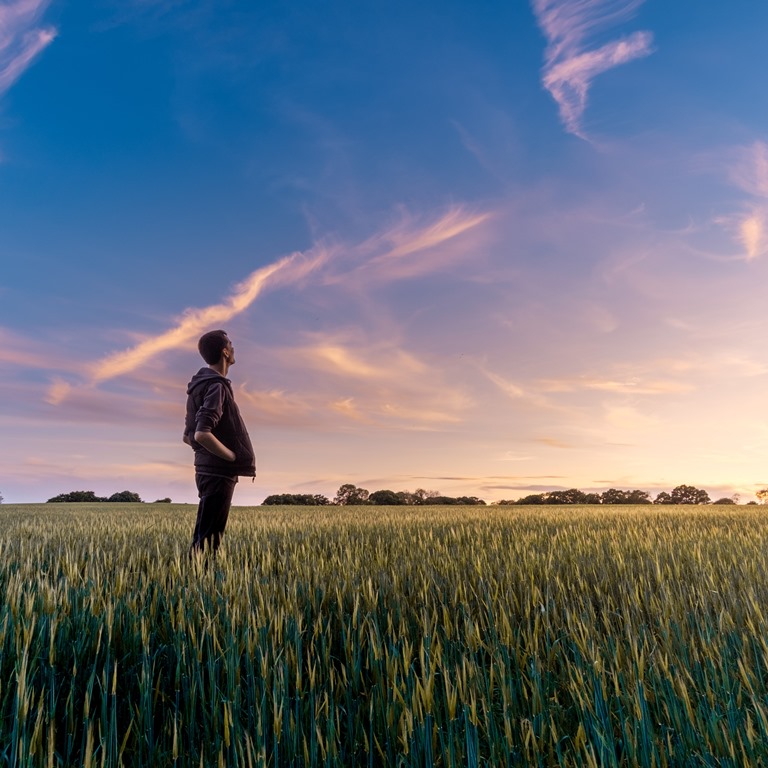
(212, 511)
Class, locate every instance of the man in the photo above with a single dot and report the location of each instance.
(215, 429)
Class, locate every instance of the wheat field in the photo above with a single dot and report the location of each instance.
(376, 636)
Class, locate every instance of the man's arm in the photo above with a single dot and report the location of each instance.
(213, 445)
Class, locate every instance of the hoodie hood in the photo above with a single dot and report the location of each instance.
(205, 376)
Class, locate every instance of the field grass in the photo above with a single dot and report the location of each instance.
(380, 636)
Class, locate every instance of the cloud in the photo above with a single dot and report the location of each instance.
(570, 66)
(194, 322)
(17, 351)
(553, 442)
(399, 243)
(376, 383)
(20, 40)
(748, 170)
(513, 456)
(407, 240)
(383, 363)
(412, 247)
(58, 391)
(629, 386)
(752, 233)
(515, 392)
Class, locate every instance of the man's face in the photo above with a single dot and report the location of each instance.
(229, 352)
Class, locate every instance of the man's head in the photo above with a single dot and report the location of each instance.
(213, 345)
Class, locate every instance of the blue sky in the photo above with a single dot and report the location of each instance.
(482, 248)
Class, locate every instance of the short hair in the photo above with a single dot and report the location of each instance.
(211, 345)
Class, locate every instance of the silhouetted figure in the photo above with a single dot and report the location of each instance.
(216, 432)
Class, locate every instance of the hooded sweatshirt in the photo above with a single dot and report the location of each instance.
(211, 407)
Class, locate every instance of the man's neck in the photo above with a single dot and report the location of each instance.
(221, 367)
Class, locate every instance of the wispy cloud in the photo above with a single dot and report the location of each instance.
(383, 363)
(748, 170)
(21, 40)
(17, 351)
(403, 242)
(570, 65)
(376, 383)
(413, 246)
(752, 234)
(407, 239)
(515, 392)
(291, 269)
(634, 386)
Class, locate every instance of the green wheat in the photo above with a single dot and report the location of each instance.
(371, 636)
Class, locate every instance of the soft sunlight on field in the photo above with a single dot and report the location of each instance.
(384, 636)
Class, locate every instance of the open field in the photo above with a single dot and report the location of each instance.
(384, 636)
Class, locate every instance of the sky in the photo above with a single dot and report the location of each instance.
(484, 248)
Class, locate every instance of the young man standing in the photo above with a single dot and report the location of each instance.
(216, 432)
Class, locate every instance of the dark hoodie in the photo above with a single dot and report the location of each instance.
(211, 407)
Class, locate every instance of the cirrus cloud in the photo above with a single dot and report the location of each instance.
(403, 242)
(570, 65)
(748, 171)
(21, 40)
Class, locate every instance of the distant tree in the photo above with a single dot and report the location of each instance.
(572, 496)
(350, 494)
(616, 496)
(76, 497)
(751, 504)
(762, 496)
(166, 500)
(419, 496)
(533, 498)
(663, 498)
(1, 498)
(296, 499)
(613, 496)
(591, 498)
(724, 500)
(126, 496)
(473, 501)
(687, 494)
(385, 498)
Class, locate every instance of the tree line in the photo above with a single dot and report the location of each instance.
(682, 494)
(89, 496)
(350, 495)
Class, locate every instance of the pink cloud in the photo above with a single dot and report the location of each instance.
(194, 322)
(412, 247)
(570, 66)
(384, 362)
(20, 40)
(748, 170)
(401, 243)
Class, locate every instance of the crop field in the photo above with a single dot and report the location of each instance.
(384, 636)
